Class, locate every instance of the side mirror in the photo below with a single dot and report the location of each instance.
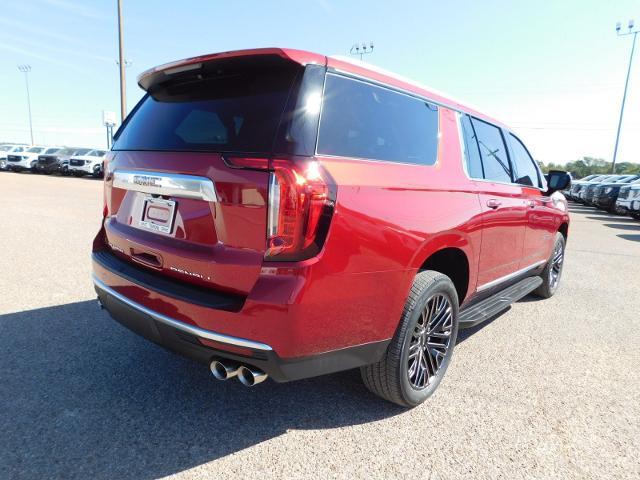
(557, 180)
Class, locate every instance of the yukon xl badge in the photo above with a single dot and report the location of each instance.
(146, 181)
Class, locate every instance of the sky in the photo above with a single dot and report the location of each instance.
(554, 71)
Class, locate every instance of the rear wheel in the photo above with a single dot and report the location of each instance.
(421, 349)
(552, 270)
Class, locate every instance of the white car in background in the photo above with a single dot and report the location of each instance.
(87, 164)
(628, 200)
(8, 149)
(27, 159)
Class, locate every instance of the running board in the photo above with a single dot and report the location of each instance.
(489, 307)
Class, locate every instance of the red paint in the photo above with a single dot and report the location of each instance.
(388, 220)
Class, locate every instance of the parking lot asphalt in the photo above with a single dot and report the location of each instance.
(549, 389)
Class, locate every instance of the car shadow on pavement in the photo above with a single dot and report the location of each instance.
(607, 217)
(468, 332)
(623, 226)
(633, 238)
(82, 397)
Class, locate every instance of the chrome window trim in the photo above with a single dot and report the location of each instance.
(169, 184)
(185, 327)
(505, 278)
(361, 78)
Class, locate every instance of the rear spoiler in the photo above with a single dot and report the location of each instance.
(156, 75)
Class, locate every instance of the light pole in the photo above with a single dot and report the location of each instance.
(626, 85)
(122, 65)
(26, 69)
(361, 49)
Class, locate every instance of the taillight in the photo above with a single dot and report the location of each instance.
(107, 171)
(301, 204)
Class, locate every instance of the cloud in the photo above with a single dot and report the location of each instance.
(12, 24)
(29, 53)
(75, 8)
(38, 46)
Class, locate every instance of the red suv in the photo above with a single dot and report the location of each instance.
(278, 213)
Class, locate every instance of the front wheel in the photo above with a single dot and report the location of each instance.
(552, 270)
(421, 349)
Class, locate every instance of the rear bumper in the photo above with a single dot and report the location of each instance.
(187, 340)
(272, 328)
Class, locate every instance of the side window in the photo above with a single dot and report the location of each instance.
(493, 151)
(472, 153)
(526, 171)
(362, 120)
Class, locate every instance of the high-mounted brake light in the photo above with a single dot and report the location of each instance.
(301, 204)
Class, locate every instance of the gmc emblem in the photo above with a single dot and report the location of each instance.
(146, 181)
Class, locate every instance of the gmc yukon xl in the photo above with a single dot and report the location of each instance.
(278, 213)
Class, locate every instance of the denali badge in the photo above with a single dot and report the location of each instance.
(146, 181)
(191, 274)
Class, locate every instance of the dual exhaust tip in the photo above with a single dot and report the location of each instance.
(248, 376)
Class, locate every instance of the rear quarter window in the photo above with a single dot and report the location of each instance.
(363, 120)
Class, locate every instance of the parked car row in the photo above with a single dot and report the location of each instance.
(48, 160)
(618, 194)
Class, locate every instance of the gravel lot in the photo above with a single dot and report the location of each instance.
(549, 389)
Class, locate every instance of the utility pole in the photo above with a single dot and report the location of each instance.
(121, 64)
(361, 49)
(26, 69)
(626, 85)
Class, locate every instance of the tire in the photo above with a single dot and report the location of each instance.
(391, 377)
(552, 272)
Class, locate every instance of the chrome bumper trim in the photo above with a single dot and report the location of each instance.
(170, 184)
(191, 329)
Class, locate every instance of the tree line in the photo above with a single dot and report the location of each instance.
(590, 165)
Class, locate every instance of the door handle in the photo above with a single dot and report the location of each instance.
(531, 203)
(493, 203)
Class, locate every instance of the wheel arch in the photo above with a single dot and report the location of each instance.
(564, 230)
(453, 256)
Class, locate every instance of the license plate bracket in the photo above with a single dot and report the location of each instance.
(158, 215)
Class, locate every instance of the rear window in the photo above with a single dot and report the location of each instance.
(362, 120)
(221, 110)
